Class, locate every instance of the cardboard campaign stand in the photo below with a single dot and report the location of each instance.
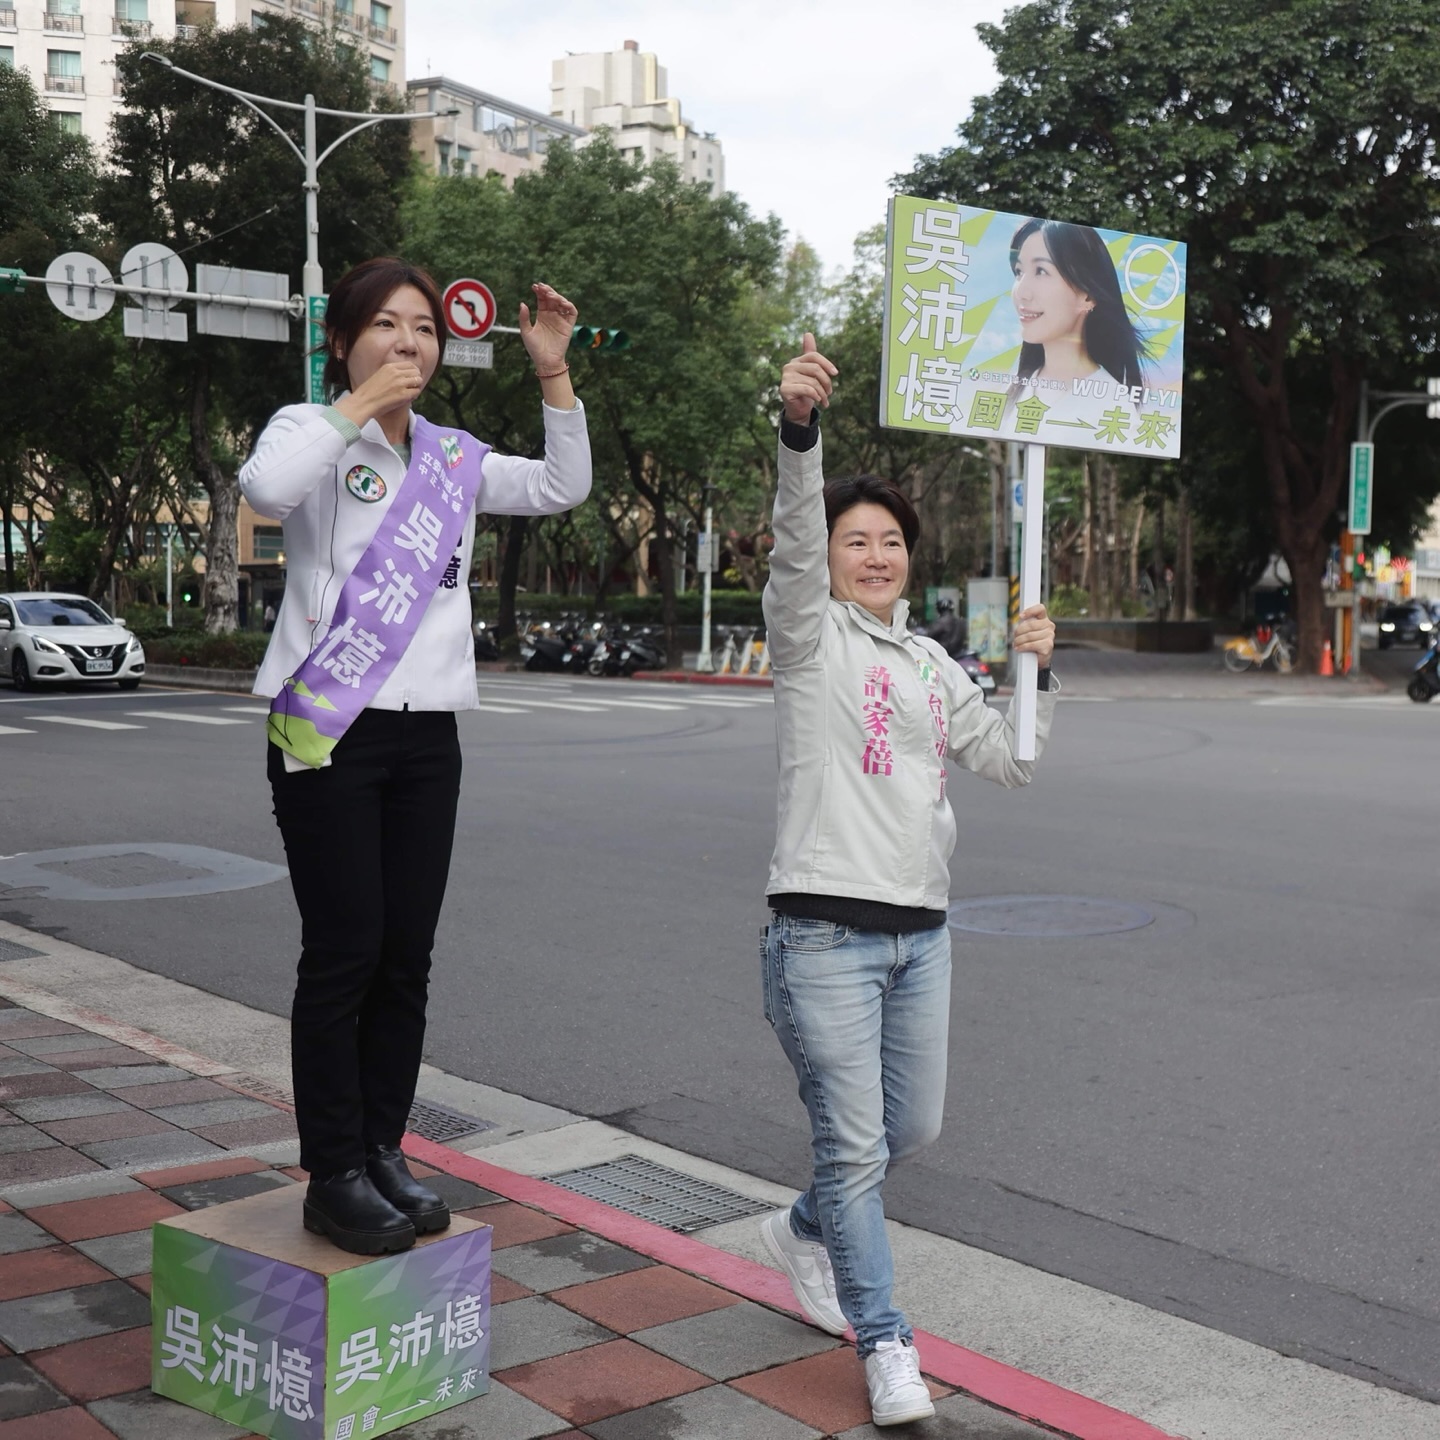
(262, 1324)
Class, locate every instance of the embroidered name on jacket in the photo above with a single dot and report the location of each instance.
(875, 715)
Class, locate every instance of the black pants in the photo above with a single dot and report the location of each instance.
(368, 841)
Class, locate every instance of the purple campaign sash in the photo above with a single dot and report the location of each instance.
(384, 599)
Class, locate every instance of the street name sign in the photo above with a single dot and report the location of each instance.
(1362, 487)
(316, 348)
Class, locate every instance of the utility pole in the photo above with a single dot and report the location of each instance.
(705, 664)
(312, 278)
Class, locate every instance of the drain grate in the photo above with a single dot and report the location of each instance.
(1047, 916)
(9, 950)
(658, 1194)
(442, 1124)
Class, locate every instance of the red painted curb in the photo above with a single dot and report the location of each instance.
(1022, 1394)
(691, 677)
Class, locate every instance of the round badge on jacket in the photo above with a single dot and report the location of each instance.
(364, 484)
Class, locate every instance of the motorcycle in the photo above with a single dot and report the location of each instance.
(485, 646)
(952, 636)
(1424, 683)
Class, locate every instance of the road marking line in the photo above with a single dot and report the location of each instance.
(502, 709)
(245, 709)
(14, 730)
(562, 705)
(188, 717)
(640, 704)
(88, 724)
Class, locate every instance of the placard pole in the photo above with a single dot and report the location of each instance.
(1032, 528)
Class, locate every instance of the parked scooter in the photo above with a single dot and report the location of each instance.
(485, 646)
(949, 630)
(1424, 683)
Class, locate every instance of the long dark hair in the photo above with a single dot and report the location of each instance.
(359, 295)
(843, 495)
(1109, 337)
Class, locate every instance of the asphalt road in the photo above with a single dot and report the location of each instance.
(1229, 1113)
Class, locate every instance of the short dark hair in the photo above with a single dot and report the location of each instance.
(359, 295)
(843, 495)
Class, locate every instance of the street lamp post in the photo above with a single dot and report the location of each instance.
(312, 279)
(1365, 428)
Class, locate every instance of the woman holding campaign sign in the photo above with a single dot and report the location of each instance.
(1073, 323)
(856, 958)
(371, 657)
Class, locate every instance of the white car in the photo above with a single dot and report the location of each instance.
(65, 639)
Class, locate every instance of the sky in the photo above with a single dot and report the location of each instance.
(816, 106)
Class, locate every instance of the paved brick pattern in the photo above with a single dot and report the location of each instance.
(591, 1341)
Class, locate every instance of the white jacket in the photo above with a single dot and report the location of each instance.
(298, 475)
(869, 719)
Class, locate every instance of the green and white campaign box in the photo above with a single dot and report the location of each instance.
(1018, 327)
(275, 1330)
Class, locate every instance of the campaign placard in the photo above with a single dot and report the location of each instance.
(1016, 327)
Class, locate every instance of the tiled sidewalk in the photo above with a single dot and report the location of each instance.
(589, 1338)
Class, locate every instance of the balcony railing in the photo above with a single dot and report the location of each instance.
(348, 20)
(187, 32)
(314, 8)
(385, 34)
(64, 24)
(65, 84)
(131, 29)
(7, 19)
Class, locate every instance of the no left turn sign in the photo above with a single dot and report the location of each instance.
(469, 309)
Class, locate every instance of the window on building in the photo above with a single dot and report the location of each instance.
(7, 55)
(442, 150)
(462, 159)
(379, 69)
(67, 122)
(344, 7)
(269, 542)
(379, 14)
(258, 21)
(137, 12)
(63, 62)
(62, 7)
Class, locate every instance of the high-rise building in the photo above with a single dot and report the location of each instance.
(68, 46)
(625, 91)
(488, 134)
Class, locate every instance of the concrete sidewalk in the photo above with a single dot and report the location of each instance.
(603, 1325)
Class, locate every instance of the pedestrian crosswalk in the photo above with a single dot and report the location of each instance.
(507, 699)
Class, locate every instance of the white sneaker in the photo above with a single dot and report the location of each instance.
(807, 1267)
(897, 1393)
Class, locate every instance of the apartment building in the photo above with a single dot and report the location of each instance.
(626, 90)
(488, 134)
(69, 46)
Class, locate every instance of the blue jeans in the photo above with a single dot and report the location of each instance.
(864, 1019)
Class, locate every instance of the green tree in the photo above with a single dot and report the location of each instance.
(46, 183)
(637, 249)
(1291, 144)
(203, 173)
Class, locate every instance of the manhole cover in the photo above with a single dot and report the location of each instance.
(122, 872)
(1059, 916)
(136, 871)
(658, 1194)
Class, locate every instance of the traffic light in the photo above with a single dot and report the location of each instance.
(189, 590)
(590, 337)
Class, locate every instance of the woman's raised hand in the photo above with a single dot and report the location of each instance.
(548, 337)
(806, 382)
(1035, 634)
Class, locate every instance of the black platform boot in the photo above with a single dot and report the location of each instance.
(422, 1207)
(349, 1210)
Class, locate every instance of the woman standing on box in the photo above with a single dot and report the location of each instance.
(371, 657)
(856, 958)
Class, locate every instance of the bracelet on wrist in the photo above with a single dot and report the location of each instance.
(551, 374)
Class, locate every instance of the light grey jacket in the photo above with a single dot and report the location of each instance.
(871, 723)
